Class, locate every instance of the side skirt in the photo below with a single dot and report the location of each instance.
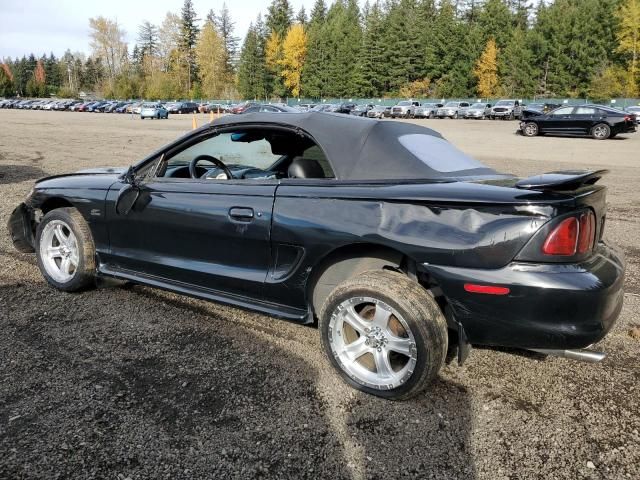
(271, 309)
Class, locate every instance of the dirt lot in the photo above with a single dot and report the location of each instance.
(129, 382)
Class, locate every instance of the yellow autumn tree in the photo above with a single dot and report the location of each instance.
(210, 55)
(486, 71)
(273, 52)
(628, 35)
(294, 51)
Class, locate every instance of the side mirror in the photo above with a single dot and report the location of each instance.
(128, 194)
(127, 198)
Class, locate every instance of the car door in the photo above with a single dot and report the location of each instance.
(559, 120)
(584, 118)
(207, 233)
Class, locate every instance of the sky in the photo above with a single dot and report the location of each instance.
(44, 26)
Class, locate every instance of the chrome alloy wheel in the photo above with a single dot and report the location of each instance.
(372, 343)
(531, 129)
(600, 131)
(59, 251)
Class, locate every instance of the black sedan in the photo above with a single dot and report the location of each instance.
(270, 108)
(598, 121)
(396, 242)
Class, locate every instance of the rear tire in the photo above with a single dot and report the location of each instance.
(384, 334)
(65, 250)
(601, 131)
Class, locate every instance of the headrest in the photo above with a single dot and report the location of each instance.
(305, 168)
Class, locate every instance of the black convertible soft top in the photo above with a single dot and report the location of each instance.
(366, 149)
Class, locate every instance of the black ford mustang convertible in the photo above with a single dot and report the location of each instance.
(397, 243)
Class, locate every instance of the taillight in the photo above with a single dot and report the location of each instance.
(572, 235)
(587, 232)
(563, 239)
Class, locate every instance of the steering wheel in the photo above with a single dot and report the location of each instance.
(218, 163)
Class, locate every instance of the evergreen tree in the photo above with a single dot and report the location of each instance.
(225, 26)
(314, 70)
(374, 68)
(301, 16)
(148, 39)
(188, 39)
(496, 21)
(518, 72)
(251, 75)
(279, 15)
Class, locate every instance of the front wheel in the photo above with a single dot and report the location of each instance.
(601, 131)
(384, 334)
(65, 250)
(530, 129)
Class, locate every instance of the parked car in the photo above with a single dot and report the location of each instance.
(507, 109)
(404, 109)
(183, 107)
(595, 120)
(427, 110)
(478, 111)
(361, 110)
(241, 107)
(325, 107)
(270, 109)
(122, 108)
(635, 110)
(377, 111)
(153, 110)
(452, 110)
(443, 250)
(344, 107)
(541, 107)
(305, 107)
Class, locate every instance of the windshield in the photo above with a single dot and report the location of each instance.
(505, 103)
(478, 105)
(437, 153)
(452, 104)
(404, 104)
(634, 109)
(149, 105)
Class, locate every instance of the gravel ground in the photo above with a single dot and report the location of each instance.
(129, 382)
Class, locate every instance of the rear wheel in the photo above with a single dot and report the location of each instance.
(601, 131)
(384, 334)
(530, 129)
(65, 250)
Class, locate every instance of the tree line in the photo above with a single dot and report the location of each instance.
(393, 48)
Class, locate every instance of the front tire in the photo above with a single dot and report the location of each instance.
(601, 131)
(530, 129)
(65, 250)
(384, 334)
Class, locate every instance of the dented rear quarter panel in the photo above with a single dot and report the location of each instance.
(455, 224)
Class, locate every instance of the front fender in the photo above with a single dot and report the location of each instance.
(21, 227)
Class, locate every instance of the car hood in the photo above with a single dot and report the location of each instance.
(90, 178)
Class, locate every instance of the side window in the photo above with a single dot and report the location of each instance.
(315, 153)
(562, 111)
(585, 111)
(227, 147)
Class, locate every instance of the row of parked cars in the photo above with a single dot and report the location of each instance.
(109, 106)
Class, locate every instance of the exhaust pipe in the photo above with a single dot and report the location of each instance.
(581, 355)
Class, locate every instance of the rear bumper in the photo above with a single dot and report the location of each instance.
(549, 306)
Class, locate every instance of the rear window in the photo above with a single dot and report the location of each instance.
(437, 153)
(404, 104)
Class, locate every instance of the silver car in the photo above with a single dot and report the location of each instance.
(453, 110)
(427, 110)
(478, 111)
(153, 110)
(507, 109)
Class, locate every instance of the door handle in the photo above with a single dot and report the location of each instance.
(241, 213)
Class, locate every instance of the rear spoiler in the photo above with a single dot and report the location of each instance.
(565, 180)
